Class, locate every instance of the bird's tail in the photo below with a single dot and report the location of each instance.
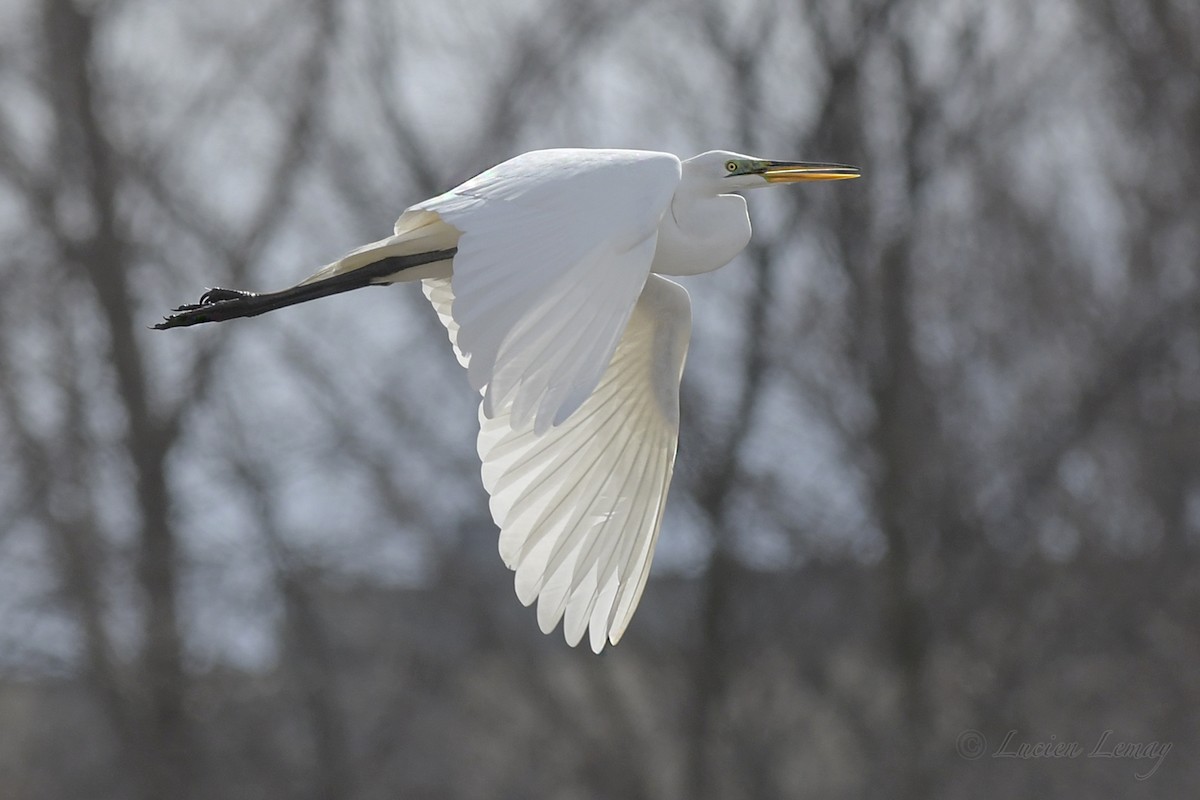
(421, 247)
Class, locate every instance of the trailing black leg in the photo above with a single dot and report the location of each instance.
(218, 305)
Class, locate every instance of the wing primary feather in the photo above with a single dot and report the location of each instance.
(579, 554)
(634, 576)
(564, 546)
(588, 416)
(597, 556)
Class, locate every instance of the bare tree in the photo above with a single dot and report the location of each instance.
(938, 470)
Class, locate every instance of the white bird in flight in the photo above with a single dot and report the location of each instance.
(545, 271)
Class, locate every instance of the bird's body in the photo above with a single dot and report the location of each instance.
(544, 271)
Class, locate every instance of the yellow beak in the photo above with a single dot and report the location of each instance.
(792, 171)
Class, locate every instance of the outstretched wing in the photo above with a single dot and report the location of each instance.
(555, 248)
(580, 506)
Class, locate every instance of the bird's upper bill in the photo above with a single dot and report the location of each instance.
(792, 171)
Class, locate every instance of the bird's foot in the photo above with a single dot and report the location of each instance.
(213, 300)
(213, 296)
(217, 295)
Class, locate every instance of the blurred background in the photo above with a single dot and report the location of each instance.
(938, 492)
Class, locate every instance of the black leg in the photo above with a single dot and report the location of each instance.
(217, 305)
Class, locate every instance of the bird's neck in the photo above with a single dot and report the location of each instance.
(700, 234)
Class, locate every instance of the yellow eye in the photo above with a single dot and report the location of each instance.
(732, 166)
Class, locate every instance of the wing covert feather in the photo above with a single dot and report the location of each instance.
(555, 248)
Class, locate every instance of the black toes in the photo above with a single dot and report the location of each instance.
(215, 304)
(217, 295)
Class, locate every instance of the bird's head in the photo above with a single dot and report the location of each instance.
(722, 171)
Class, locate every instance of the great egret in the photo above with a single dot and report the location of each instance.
(545, 272)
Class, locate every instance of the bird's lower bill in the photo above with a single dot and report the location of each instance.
(792, 173)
